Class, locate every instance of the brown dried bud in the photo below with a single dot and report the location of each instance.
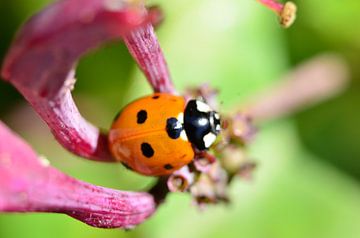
(203, 190)
(233, 158)
(205, 92)
(203, 161)
(180, 180)
(240, 128)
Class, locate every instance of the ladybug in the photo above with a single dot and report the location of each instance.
(156, 135)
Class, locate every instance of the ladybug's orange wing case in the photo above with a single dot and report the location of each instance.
(139, 139)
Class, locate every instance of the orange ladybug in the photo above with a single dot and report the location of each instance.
(156, 135)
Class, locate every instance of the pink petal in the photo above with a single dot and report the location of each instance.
(40, 63)
(29, 185)
(144, 47)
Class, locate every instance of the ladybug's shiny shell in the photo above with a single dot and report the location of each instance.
(148, 135)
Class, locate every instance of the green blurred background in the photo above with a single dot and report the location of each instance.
(308, 180)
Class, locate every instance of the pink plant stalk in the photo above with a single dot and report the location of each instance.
(29, 184)
(313, 81)
(41, 61)
(273, 5)
(144, 47)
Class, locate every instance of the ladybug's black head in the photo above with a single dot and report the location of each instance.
(201, 123)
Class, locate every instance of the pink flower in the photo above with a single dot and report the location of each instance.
(40, 64)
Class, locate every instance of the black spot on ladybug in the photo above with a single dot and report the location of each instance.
(155, 97)
(173, 128)
(168, 166)
(147, 150)
(126, 166)
(141, 116)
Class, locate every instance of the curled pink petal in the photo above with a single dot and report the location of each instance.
(28, 184)
(40, 63)
(50, 43)
(144, 47)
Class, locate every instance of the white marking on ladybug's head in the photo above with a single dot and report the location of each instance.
(180, 118)
(202, 122)
(216, 115)
(211, 119)
(209, 139)
(218, 127)
(202, 107)
(183, 135)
